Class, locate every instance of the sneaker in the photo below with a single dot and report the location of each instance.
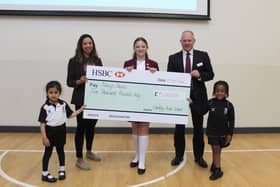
(217, 173)
(61, 175)
(92, 156)
(49, 178)
(82, 165)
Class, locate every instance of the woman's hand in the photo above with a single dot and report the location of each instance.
(46, 141)
(82, 80)
(152, 70)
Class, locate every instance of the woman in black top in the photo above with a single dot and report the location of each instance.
(85, 55)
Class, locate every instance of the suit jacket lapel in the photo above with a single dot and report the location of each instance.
(195, 59)
(180, 59)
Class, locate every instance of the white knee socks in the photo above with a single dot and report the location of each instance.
(135, 140)
(142, 149)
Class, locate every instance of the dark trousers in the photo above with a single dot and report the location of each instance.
(198, 141)
(48, 153)
(179, 140)
(85, 127)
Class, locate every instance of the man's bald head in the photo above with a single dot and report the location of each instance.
(187, 40)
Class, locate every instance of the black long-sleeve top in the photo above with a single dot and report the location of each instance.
(74, 73)
(220, 118)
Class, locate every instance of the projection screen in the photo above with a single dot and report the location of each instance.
(184, 9)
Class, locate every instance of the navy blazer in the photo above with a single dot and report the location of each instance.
(148, 63)
(201, 62)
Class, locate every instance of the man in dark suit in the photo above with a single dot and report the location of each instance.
(197, 63)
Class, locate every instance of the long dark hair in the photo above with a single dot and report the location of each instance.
(134, 43)
(79, 55)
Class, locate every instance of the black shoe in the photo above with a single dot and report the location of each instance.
(176, 161)
(61, 175)
(141, 171)
(212, 167)
(201, 162)
(133, 164)
(47, 179)
(217, 173)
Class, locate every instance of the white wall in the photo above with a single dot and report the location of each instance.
(242, 40)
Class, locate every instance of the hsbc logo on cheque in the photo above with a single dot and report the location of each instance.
(101, 73)
(119, 74)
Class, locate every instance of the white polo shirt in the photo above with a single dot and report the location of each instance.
(54, 114)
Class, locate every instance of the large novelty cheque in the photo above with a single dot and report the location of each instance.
(116, 94)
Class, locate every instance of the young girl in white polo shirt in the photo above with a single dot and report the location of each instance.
(52, 117)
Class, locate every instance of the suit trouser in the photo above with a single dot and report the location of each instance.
(198, 141)
(84, 127)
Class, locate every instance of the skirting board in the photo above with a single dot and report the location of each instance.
(126, 130)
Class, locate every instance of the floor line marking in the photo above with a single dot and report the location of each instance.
(7, 177)
(172, 172)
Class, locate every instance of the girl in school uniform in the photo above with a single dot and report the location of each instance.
(220, 125)
(52, 117)
(140, 130)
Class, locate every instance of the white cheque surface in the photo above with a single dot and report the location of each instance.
(116, 94)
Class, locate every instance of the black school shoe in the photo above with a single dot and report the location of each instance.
(141, 171)
(48, 179)
(176, 161)
(133, 164)
(61, 175)
(216, 174)
(201, 162)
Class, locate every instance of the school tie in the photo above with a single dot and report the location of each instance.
(188, 63)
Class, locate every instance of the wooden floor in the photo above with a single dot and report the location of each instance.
(252, 160)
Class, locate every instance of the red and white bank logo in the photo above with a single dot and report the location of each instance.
(119, 74)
